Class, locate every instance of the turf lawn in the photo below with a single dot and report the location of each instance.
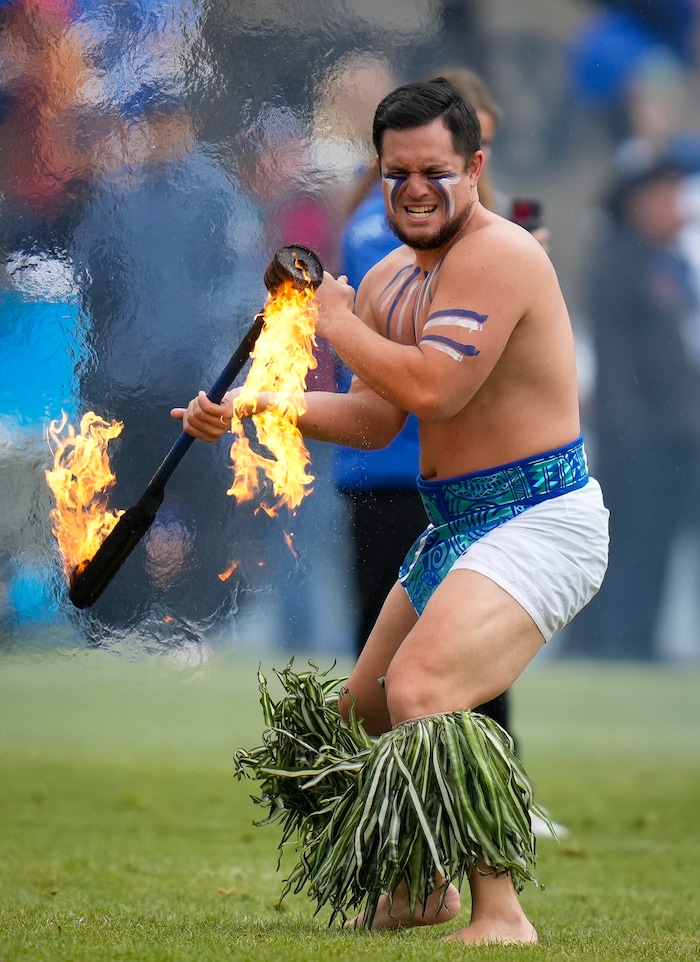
(123, 834)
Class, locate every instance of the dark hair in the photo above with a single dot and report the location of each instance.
(420, 103)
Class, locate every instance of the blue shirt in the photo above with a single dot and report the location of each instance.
(367, 238)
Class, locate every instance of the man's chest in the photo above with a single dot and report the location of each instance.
(402, 304)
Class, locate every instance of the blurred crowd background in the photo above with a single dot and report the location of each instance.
(154, 156)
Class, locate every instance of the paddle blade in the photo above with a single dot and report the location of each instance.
(87, 586)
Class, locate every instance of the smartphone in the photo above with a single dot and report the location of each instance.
(527, 213)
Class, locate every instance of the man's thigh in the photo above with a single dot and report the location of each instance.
(469, 645)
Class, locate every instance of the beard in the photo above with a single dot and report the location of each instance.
(442, 236)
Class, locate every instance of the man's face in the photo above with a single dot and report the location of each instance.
(657, 210)
(429, 189)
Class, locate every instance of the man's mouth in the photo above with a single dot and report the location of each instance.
(420, 213)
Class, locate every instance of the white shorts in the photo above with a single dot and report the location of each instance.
(551, 558)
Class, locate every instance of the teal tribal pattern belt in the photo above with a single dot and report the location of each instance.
(462, 510)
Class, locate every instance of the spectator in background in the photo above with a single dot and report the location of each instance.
(169, 284)
(645, 315)
(45, 149)
(619, 45)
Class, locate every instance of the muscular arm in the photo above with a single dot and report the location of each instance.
(357, 419)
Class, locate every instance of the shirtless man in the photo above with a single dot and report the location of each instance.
(465, 326)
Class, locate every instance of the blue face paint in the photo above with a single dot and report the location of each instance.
(444, 184)
(391, 185)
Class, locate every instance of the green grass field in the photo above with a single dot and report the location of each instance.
(124, 835)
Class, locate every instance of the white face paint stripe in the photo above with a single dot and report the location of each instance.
(391, 185)
(445, 185)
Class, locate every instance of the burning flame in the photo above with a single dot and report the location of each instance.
(80, 481)
(282, 357)
(290, 544)
(225, 575)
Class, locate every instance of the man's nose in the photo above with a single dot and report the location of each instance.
(416, 185)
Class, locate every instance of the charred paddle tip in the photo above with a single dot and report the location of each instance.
(297, 264)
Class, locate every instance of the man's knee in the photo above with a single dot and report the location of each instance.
(416, 689)
(412, 692)
(406, 703)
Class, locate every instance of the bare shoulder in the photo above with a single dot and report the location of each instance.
(499, 262)
(496, 243)
(388, 273)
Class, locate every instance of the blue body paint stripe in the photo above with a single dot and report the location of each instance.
(467, 349)
(481, 318)
(411, 277)
(393, 280)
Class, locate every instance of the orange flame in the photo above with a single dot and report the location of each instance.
(80, 481)
(225, 575)
(290, 544)
(282, 357)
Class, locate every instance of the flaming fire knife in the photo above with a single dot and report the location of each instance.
(296, 264)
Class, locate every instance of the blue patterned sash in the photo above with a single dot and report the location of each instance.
(462, 510)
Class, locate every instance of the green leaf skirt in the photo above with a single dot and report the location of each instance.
(421, 804)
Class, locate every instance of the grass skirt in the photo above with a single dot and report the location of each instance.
(423, 802)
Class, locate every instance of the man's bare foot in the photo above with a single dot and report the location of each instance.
(399, 916)
(482, 931)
